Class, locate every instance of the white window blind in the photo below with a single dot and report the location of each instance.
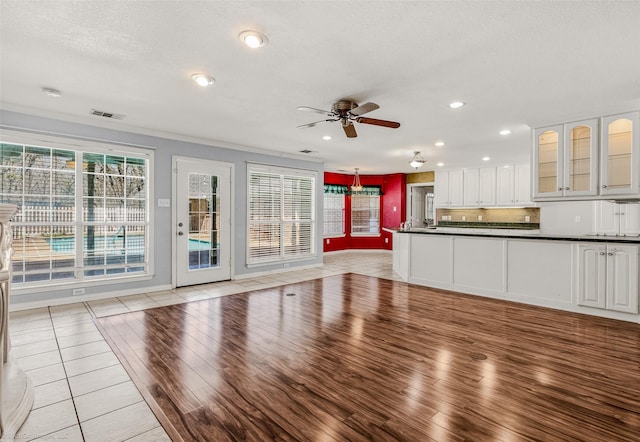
(333, 215)
(365, 215)
(281, 214)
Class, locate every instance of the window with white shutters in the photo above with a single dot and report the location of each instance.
(281, 212)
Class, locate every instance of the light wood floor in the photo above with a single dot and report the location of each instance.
(353, 357)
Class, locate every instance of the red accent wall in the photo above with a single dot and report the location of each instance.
(394, 196)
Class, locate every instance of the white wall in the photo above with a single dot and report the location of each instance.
(164, 150)
(567, 217)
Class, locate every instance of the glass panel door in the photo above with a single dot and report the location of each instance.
(202, 222)
(204, 226)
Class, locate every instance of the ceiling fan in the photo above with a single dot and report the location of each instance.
(346, 112)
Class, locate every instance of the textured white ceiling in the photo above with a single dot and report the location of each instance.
(517, 65)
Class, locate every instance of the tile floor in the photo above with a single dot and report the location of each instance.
(82, 393)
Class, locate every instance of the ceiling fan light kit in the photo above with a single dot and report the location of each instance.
(417, 160)
(347, 112)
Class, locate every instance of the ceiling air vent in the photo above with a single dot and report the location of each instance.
(305, 151)
(107, 114)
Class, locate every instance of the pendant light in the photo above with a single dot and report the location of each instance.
(356, 186)
(417, 160)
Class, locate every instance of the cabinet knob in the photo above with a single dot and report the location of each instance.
(602, 253)
(566, 188)
(604, 186)
(610, 254)
(559, 189)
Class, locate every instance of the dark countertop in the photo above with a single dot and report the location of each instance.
(533, 236)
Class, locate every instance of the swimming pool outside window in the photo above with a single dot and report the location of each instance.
(82, 215)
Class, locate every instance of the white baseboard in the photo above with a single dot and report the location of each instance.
(15, 307)
(275, 271)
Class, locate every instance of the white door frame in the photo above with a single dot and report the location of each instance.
(407, 210)
(174, 211)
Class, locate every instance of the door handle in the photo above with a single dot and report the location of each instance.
(180, 224)
(180, 233)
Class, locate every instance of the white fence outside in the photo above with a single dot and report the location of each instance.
(39, 220)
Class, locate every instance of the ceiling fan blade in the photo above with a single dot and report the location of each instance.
(350, 130)
(364, 108)
(376, 122)
(316, 122)
(313, 109)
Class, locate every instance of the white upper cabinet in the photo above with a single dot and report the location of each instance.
(479, 187)
(448, 189)
(505, 185)
(513, 186)
(569, 159)
(523, 185)
(471, 193)
(620, 155)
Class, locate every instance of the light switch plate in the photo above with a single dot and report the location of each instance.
(164, 202)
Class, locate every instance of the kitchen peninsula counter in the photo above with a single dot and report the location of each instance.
(591, 274)
(531, 234)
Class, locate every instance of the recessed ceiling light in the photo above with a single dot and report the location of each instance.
(505, 132)
(456, 104)
(253, 39)
(203, 80)
(439, 143)
(485, 158)
(326, 137)
(51, 92)
(440, 164)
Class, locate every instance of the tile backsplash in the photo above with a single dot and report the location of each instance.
(493, 215)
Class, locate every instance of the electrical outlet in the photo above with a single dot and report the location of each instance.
(386, 240)
(286, 265)
(479, 217)
(527, 219)
(464, 218)
(578, 219)
(394, 208)
(328, 241)
(444, 217)
(78, 292)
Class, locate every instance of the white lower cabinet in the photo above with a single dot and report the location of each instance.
(607, 276)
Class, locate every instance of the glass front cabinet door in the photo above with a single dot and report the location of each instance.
(580, 174)
(620, 155)
(547, 162)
